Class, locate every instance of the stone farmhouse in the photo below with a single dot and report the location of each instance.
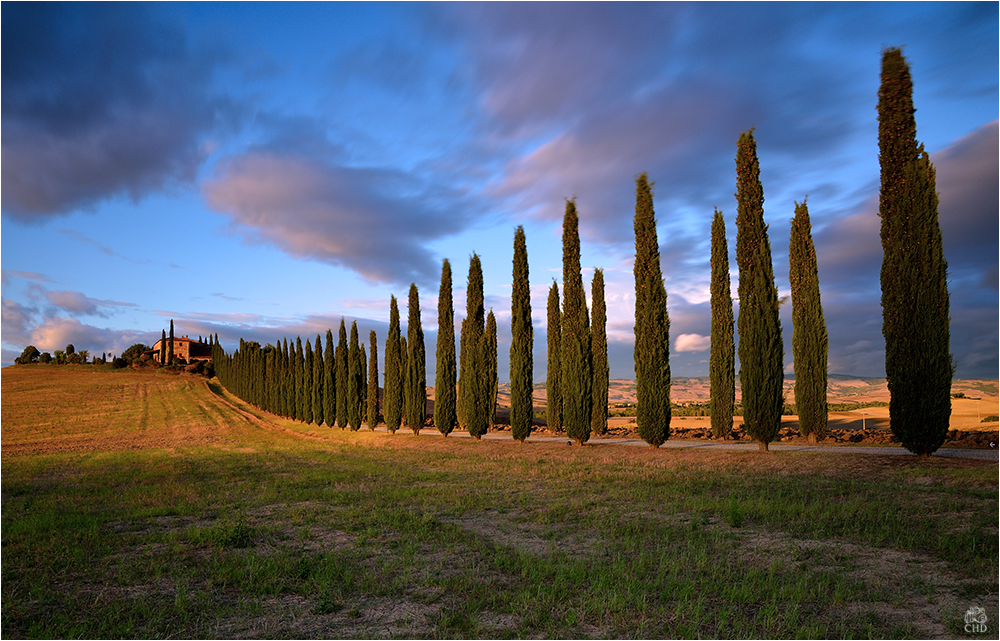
(184, 348)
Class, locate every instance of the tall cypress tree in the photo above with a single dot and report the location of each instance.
(163, 347)
(761, 351)
(307, 383)
(473, 386)
(392, 403)
(329, 382)
(809, 339)
(721, 360)
(652, 325)
(170, 345)
(599, 354)
(317, 379)
(404, 356)
(553, 375)
(287, 387)
(416, 373)
(492, 379)
(300, 394)
(373, 415)
(521, 344)
(915, 301)
(444, 381)
(354, 385)
(363, 382)
(577, 376)
(342, 376)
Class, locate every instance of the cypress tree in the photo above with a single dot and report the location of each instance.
(473, 383)
(163, 347)
(915, 302)
(300, 396)
(373, 416)
(416, 374)
(652, 325)
(329, 382)
(170, 345)
(492, 380)
(553, 375)
(354, 386)
(599, 353)
(521, 344)
(809, 339)
(287, 389)
(721, 361)
(577, 376)
(307, 384)
(317, 388)
(363, 382)
(444, 382)
(404, 356)
(342, 377)
(393, 395)
(761, 351)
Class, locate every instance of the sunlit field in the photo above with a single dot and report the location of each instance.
(144, 504)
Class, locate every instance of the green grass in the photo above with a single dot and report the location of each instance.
(324, 532)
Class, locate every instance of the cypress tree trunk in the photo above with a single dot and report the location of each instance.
(416, 373)
(809, 339)
(343, 393)
(307, 384)
(721, 361)
(915, 301)
(652, 325)
(522, 343)
(373, 416)
(473, 387)
(492, 380)
(577, 376)
(354, 368)
(393, 396)
(553, 375)
(444, 381)
(599, 352)
(317, 388)
(329, 382)
(761, 351)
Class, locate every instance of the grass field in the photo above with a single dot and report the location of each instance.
(139, 504)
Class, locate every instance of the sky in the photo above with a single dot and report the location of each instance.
(262, 170)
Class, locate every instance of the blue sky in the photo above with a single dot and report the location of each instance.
(264, 170)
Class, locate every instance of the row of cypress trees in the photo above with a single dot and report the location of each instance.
(915, 325)
(337, 385)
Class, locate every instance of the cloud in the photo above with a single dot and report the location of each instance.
(98, 101)
(376, 222)
(81, 304)
(692, 343)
